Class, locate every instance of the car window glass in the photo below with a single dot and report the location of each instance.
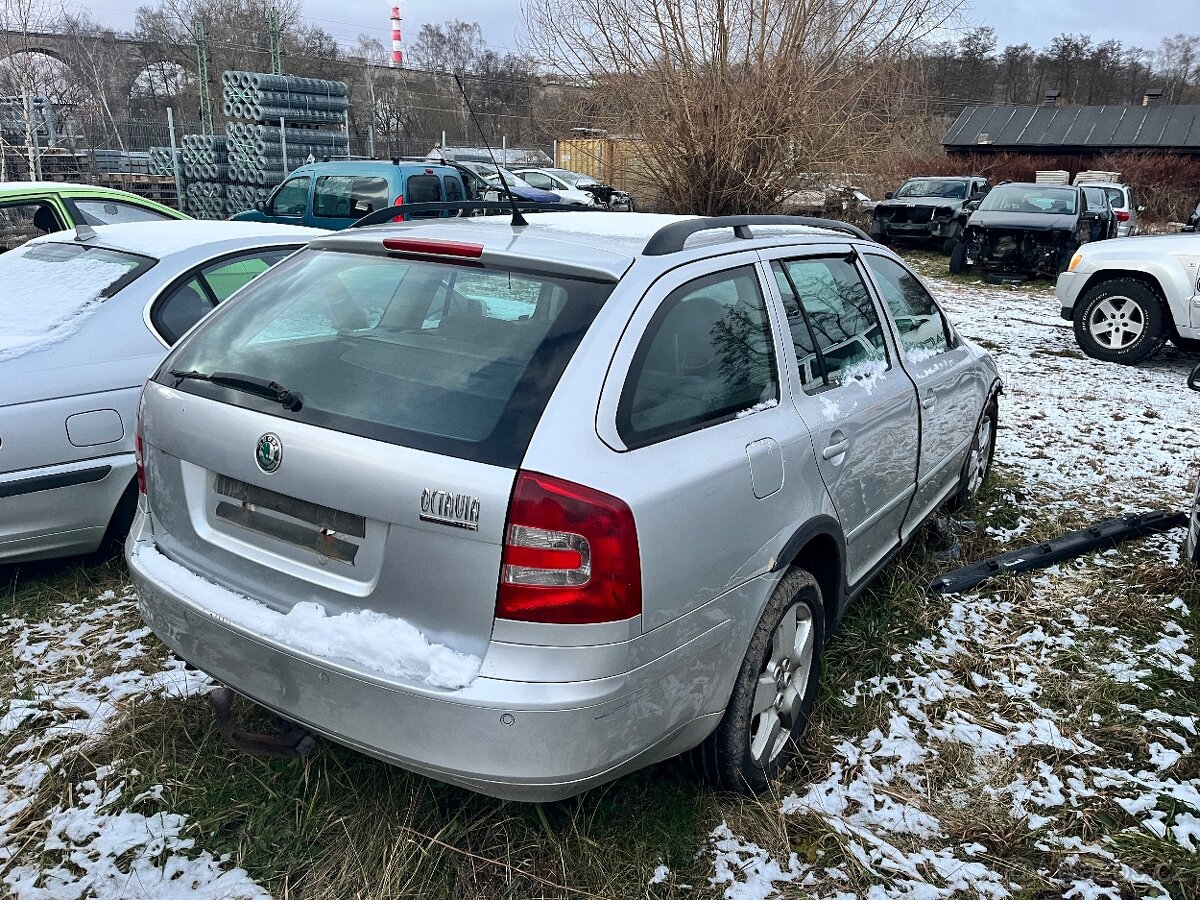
(423, 189)
(114, 212)
(923, 329)
(181, 309)
(538, 180)
(1116, 197)
(227, 276)
(291, 199)
(349, 196)
(454, 190)
(833, 323)
(20, 222)
(707, 356)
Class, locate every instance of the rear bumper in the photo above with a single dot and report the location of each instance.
(529, 741)
(60, 510)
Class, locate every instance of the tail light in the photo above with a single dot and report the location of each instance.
(399, 202)
(1122, 215)
(570, 555)
(139, 447)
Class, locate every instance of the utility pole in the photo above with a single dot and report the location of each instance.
(206, 113)
(274, 23)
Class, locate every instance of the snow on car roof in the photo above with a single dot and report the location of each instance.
(161, 239)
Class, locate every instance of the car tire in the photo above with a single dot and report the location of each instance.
(977, 467)
(1120, 321)
(958, 259)
(951, 240)
(778, 677)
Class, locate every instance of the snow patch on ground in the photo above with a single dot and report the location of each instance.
(73, 677)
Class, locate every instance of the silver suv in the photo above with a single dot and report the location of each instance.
(526, 508)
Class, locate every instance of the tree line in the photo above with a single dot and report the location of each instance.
(974, 70)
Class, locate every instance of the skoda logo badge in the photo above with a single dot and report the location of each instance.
(269, 454)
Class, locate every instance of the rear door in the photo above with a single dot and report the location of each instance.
(341, 200)
(950, 387)
(856, 401)
(694, 400)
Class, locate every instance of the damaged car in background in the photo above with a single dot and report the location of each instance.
(927, 209)
(1024, 230)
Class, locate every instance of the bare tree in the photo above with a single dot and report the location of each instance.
(731, 98)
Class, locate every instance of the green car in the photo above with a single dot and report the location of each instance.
(32, 208)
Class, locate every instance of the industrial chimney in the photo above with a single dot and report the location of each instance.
(397, 40)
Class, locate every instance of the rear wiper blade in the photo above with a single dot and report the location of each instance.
(259, 387)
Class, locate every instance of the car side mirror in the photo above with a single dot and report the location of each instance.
(1194, 379)
(890, 195)
(260, 205)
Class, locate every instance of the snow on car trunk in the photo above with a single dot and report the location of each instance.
(50, 289)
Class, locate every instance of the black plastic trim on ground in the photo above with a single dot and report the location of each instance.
(1074, 543)
(50, 482)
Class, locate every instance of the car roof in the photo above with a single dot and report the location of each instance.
(16, 189)
(593, 244)
(159, 240)
(369, 166)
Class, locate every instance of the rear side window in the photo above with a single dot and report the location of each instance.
(454, 190)
(1116, 197)
(706, 356)
(189, 302)
(448, 358)
(833, 322)
(349, 196)
(924, 331)
(114, 212)
(424, 189)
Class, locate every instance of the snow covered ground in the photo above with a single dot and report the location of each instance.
(1041, 738)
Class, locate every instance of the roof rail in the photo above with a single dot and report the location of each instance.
(388, 213)
(671, 238)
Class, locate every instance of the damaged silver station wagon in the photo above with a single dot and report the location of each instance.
(526, 507)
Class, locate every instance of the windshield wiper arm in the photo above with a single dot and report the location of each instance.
(259, 387)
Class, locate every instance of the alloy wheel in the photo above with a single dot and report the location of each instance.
(779, 693)
(977, 464)
(1116, 323)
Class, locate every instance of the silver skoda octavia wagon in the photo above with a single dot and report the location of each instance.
(524, 508)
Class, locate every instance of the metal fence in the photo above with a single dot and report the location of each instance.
(207, 176)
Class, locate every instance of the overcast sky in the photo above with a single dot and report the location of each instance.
(1016, 21)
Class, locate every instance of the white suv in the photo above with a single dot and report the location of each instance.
(1128, 297)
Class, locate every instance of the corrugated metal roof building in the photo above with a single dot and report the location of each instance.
(1081, 130)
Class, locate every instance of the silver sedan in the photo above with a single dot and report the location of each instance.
(87, 315)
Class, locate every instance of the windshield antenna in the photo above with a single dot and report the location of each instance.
(517, 219)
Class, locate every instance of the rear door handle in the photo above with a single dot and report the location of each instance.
(928, 402)
(835, 449)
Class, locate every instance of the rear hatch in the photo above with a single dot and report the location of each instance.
(381, 482)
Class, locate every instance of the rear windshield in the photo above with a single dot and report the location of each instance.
(1116, 197)
(51, 289)
(454, 359)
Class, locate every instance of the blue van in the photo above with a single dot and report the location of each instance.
(335, 195)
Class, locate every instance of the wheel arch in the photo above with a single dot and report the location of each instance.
(819, 547)
(1173, 289)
